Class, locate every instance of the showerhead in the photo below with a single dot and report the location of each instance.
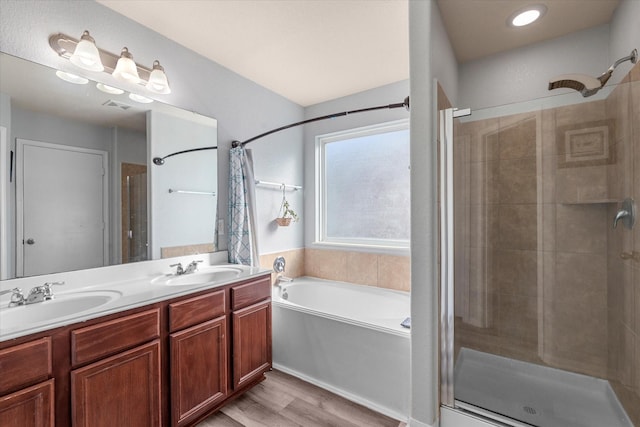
(584, 84)
(588, 85)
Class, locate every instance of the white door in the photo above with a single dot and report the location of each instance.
(62, 199)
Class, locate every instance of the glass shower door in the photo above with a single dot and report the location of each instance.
(541, 294)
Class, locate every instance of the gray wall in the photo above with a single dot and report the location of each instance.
(243, 109)
(625, 31)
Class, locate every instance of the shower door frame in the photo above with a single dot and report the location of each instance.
(446, 243)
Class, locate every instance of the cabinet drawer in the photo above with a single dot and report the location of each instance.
(196, 310)
(249, 293)
(25, 364)
(97, 341)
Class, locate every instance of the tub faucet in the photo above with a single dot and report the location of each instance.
(17, 297)
(282, 279)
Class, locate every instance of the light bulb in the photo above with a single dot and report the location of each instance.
(86, 55)
(158, 82)
(126, 69)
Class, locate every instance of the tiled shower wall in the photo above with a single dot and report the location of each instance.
(539, 272)
(623, 260)
(384, 271)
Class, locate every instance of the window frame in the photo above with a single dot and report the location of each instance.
(392, 246)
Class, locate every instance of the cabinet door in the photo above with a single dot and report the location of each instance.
(31, 407)
(198, 369)
(251, 343)
(123, 390)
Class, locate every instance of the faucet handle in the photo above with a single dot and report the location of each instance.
(179, 270)
(17, 297)
(47, 288)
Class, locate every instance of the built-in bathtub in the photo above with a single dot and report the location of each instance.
(347, 339)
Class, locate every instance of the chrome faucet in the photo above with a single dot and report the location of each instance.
(282, 279)
(17, 297)
(41, 293)
(278, 266)
(193, 266)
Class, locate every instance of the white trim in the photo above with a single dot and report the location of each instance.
(4, 204)
(415, 423)
(384, 245)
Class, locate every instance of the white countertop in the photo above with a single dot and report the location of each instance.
(89, 294)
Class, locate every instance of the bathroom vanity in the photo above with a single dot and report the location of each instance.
(171, 359)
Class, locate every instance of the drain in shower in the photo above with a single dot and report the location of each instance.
(529, 410)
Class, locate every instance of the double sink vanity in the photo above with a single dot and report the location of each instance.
(135, 345)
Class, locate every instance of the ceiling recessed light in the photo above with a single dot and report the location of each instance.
(527, 16)
(72, 78)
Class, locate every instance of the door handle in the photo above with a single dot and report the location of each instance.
(30, 241)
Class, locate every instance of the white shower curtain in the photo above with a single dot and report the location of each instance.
(243, 244)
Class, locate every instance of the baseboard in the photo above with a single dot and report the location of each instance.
(342, 393)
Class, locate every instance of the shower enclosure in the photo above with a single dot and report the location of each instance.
(540, 296)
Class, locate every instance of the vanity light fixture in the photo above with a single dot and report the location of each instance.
(86, 55)
(72, 78)
(122, 66)
(126, 70)
(527, 16)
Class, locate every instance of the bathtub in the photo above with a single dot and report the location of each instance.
(347, 339)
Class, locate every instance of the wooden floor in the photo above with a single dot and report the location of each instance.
(283, 401)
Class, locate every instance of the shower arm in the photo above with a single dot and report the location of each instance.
(633, 57)
(160, 160)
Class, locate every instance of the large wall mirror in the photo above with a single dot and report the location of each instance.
(77, 186)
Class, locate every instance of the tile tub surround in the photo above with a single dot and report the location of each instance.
(380, 270)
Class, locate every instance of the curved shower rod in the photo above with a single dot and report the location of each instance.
(160, 160)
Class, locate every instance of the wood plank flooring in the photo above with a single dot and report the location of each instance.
(286, 401)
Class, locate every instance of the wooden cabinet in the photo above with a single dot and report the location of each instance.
(172, 362)
(123, 389)
(251, 324)
(30, 407)
(27, 393)
(251, 343)
(198, 356)
(198, 369)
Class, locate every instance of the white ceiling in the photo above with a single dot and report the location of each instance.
(310, 51)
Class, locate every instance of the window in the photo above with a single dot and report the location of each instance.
(363, 192)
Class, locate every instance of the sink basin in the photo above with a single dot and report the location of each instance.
(62, 306)
(202, 277)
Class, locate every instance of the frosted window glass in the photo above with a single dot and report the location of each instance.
(367, 187)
